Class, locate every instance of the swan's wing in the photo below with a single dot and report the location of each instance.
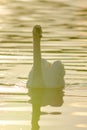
(56, 75)
(58, 69)
(45, 64)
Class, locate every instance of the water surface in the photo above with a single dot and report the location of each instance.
(64, 26)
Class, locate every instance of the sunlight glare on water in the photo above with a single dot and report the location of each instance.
(64, 25)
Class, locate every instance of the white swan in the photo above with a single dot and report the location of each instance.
(43, 73)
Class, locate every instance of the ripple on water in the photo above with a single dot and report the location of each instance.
(64, 38)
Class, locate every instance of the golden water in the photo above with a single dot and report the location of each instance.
(64, 24)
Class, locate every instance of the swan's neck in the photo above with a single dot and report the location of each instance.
(37, 55)
(37, 70)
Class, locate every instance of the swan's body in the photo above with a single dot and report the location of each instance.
(43, 73)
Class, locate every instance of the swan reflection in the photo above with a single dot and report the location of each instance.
(43, 97)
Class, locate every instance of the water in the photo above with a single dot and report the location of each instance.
(64, 24)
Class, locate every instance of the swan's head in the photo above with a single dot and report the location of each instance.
(37, 31)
